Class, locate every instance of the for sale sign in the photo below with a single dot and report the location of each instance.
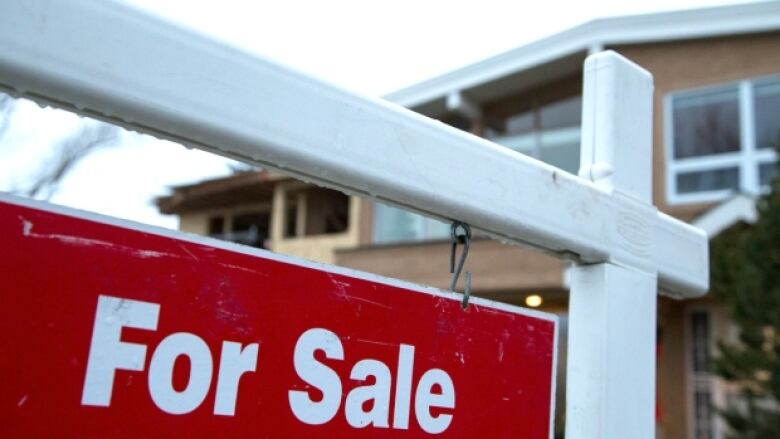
(118, 330)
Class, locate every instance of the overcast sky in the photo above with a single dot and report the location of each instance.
(373, 47)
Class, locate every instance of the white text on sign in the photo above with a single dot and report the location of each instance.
(108, 354)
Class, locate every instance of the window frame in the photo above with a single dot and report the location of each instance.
(747, 160)
(423, 227)
(536, 134)
(702, 380)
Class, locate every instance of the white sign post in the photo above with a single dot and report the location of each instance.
(108, 61)
(612, 306)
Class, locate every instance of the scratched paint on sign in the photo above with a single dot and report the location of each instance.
(118, 331)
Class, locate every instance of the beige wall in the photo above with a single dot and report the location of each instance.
(496, 267)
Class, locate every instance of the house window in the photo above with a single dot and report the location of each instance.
(396, 225)
(720, 140)
(311, 211)
(550, 133)
(216, 226)
(248, 228)
(700, 376)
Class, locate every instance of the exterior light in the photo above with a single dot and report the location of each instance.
(533, 300)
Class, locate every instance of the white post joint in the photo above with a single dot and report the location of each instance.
(612, 306)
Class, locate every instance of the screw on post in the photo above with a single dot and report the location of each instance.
(461, 234)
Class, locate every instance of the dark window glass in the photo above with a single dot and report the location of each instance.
(216, 226)
(334, 212)
(458, 122)
(706, 124)
(767, 113)
(250, 229)
(767, 172)
(291, 221)
(700, 336)
(702, 181)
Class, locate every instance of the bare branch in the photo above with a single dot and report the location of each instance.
(68, 153)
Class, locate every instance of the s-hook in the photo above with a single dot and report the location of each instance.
(462, 237)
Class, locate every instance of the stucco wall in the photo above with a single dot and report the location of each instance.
(496, 267)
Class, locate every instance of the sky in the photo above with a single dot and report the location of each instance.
(371, 47)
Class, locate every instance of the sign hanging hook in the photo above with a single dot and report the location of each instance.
(460, 233)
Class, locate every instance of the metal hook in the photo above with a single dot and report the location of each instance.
(465, 239)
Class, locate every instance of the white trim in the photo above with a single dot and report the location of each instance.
(765, 155)
(664, 26)
(702, 197)
(716, 390)
(748, 172)
(725, 215)
(668, 136)
(708, 162)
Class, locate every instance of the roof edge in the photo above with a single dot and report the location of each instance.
(628, 29)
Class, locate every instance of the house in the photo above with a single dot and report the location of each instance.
(717, 118)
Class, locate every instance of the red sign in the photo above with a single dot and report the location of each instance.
(118, 330)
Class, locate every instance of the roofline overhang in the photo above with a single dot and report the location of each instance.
(594, 36)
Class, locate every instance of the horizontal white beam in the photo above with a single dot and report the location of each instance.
(108, 61)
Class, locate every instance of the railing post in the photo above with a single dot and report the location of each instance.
(612, 326)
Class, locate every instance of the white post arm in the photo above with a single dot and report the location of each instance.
(109, 61)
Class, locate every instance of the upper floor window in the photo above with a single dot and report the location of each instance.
(310, 211)
(550, 133)
(397, 225)
(248, 228)
(721, 140)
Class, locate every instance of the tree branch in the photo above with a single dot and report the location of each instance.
(68, 152)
